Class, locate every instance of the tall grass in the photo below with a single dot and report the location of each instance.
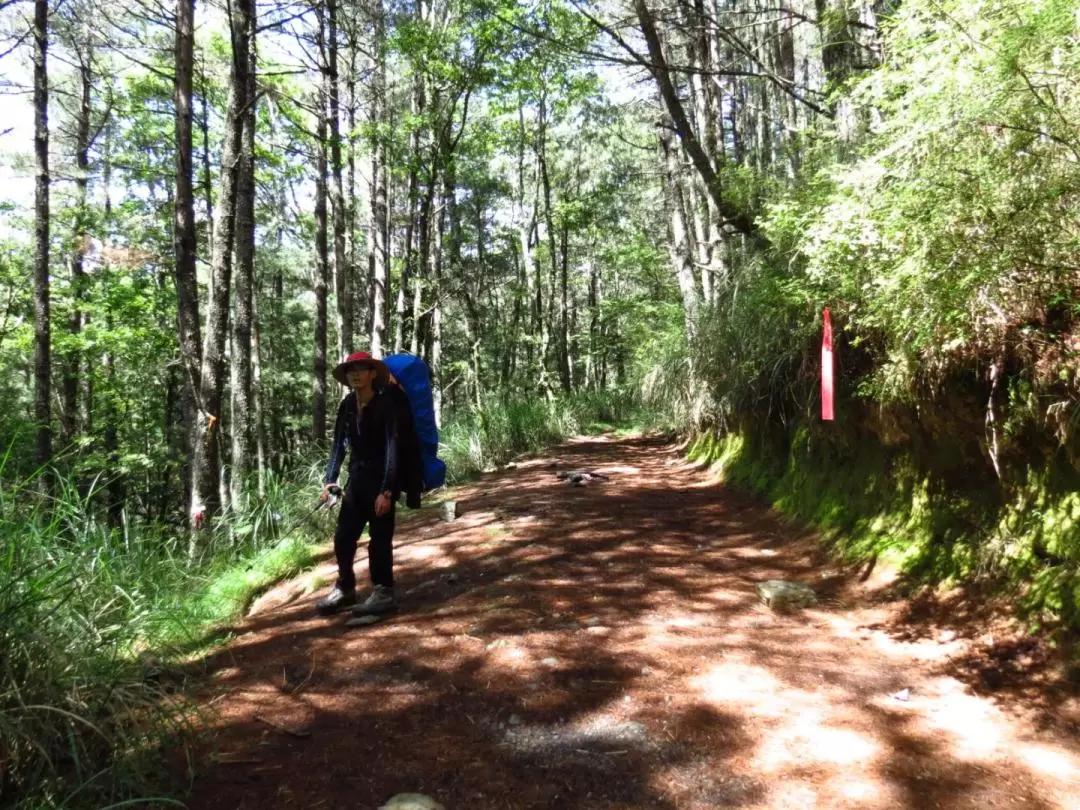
(473, 441)
(84, 610)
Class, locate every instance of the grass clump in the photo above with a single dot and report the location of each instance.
(85, 608)
(476, 440)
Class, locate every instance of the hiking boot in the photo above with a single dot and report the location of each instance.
(380, 601)
(335, 601)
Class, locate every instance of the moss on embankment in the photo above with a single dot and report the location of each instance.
(919, 489)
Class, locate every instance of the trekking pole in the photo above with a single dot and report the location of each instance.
(335, 491)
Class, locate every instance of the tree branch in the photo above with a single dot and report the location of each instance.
(739, 220)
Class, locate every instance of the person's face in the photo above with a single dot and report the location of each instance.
(360, 377)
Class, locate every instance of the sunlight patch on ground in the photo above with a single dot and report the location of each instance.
(743, 537)
(923, 650)
(843, 626)
(726, 596)
(975, 725)
(793, 796)
(750, 688)
(618, 469)
(857, 791)
(797, 728)
(524, 464)
(684, 621)
(1049, 761)
(805, 738)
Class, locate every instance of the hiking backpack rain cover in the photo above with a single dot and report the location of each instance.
(411, 372)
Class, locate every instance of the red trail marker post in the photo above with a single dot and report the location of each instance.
(826, 368)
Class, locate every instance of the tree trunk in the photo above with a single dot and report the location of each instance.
(566, 370)
(378, 256)
(434, 353)
(678, 243)
(405, 308)
(511, 343)
(42, 339)
(242, 435)
(740, 220)
(116, 494)
(454, 271)
(258, 412)
(318, 424)
(591, 365)
(115, 486)
(342, 271)
(421, 334)
(358, 325)
(184, 241)
(206, 475)
(701, 203)
(184, 245)
(562, 348)
(207, 172)
(73, 364)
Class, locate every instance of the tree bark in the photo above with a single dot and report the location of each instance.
(207, 173)
(592, 366)
(184, 244)
(322, 273)
(241, 367)
(359, 302)
(115, 488)
(378, 255)
(206, 475)
(73, 365)
(342, 270)
(258, 411)
(421, 333)
(434, 353)
(678, 242)
(406, 325)
(42, 337)
(562, 349)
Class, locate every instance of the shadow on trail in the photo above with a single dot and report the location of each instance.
(577, 647)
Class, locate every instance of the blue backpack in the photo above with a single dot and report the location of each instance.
(411, 372)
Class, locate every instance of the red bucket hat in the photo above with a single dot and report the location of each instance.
(359, 359)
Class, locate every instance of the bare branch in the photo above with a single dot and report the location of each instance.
(280, 23)
(18, 42)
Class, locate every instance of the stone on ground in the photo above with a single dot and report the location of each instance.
(783, 596)
(411, 801)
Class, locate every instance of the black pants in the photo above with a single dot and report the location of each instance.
(358, 510)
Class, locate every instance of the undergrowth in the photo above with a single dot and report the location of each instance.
(874, 502)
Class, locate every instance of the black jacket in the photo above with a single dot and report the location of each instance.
(385, 453)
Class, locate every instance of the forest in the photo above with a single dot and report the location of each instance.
(585, 217)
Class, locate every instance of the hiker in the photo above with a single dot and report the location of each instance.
(367, 423)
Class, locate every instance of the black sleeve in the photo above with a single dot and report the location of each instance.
(390, 427)
(341, 442)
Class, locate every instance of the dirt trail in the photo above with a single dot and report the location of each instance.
(602, 647)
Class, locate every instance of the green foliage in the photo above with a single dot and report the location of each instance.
(871, 501)
(937, 221)
(953, 228)
(477, 441)
(90, 614)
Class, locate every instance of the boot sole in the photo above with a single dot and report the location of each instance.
(331, 611)
(359, 613)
